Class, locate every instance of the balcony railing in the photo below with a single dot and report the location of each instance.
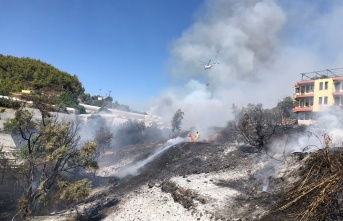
(302, 95)
(304, 82)
(337, 93)
(302, 109)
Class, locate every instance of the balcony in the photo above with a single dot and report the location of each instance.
(302, 109)
(303, 95)
(337, 93)
(304, 82)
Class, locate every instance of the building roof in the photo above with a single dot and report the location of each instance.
(328, 73)
(303, 82)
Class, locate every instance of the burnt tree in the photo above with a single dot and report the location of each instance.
(255, 124)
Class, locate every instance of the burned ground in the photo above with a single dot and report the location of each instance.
(211, 181)
(188, 159)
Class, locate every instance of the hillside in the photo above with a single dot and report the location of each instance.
(18, 74)
(209, 180)
(56, 87)
(11, 142)
(186, 181)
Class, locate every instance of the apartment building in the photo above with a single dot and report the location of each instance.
(318, 91)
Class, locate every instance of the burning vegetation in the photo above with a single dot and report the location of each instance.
(318, 194)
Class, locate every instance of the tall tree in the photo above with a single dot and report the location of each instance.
(177, 121)
(52, 151)
(284, 109)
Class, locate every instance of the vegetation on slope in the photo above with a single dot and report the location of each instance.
(318, 194)
(41, 80)
(59, 87)
(19, 74)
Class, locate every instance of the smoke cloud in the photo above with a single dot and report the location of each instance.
(261, 47)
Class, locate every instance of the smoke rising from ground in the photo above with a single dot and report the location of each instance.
(133, 169)
(261, 45)
(312, 139)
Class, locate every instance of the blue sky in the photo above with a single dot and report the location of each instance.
(112, 45)
(147, 52)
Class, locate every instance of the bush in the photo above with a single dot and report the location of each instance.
(104, 110)
(10, 103)
(255, 124)
(318, 193)
(80, 109)
(134, 132)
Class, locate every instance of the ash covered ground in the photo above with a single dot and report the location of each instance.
(188, 181)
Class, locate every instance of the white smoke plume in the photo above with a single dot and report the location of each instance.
(262, 46)
(133, 169)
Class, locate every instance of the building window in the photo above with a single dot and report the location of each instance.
(325, 100)
(309, 102)
(337, 86)
(301, 102)
(312, 87)
(341, 101)
(326, 85)
(320, 85)
(342, 85)
(303, 89)
(337, 100)
(320, 100)
(307, 88)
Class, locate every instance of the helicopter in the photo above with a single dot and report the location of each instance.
(208, 65)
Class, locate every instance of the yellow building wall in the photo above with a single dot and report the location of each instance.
(323, 93)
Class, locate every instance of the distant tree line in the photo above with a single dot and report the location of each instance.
(107, 102)
(18, 74)
(41, 79)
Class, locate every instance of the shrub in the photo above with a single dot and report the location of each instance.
(10, 103)
(134, 132)
(255, 124)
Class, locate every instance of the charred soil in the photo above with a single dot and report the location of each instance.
(201, 162)
(192, 181)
